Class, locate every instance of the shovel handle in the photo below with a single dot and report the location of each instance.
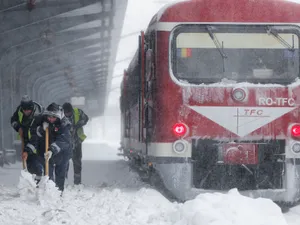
(46, 150)
(24, 164)
(22, 149)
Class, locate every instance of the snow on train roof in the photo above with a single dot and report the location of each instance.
(229, 11)
(165, 7)
(161, 11)
(168, 5)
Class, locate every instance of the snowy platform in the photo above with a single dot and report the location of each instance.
(113, 194)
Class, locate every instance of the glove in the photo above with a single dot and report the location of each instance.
(45, 125)
(48, 155)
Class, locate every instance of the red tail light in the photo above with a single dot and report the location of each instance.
(180, 129)
(295, 131)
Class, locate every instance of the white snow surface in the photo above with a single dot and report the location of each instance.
(113, 194)
(121, 198)
(96, 205)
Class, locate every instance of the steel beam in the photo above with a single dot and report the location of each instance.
(20, 17)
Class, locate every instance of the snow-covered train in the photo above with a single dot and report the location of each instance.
(211, 97)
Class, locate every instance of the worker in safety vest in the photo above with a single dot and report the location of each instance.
(60, 138)
(78, 119)
(25, 121)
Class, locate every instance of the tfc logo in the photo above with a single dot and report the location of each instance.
(276, 101)
(253, 112)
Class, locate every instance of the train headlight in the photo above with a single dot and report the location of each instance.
(180, 146)
(239, 94)
(296, 148)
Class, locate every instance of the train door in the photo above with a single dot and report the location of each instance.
(141, 104)
(147, 46)
(149, 86)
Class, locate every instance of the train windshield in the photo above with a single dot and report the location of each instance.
(242, 53)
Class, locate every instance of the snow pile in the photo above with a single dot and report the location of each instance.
(230, 209)
(27, 186)
(46, 194)
(121, 198)
(293, 216)
(105, 206)
(117, 207)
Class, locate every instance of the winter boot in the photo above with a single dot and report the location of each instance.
(77, 179)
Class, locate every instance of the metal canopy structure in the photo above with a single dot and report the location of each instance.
(54, 50)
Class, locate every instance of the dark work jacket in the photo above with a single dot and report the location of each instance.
(59, 137)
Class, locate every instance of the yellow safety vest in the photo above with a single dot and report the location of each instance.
(80, 131)
(20, 115)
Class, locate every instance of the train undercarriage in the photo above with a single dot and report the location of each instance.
(261, 168)
(261, 172)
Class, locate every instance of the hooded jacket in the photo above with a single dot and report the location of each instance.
(60, 138)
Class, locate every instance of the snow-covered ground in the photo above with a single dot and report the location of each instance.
(144, 206)
(113, 194)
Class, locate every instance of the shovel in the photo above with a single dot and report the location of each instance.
(45, 178)
(46, 150)
(26, 181)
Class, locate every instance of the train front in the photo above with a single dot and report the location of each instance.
(232, 100)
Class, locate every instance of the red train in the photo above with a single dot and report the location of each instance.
(211, 97)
